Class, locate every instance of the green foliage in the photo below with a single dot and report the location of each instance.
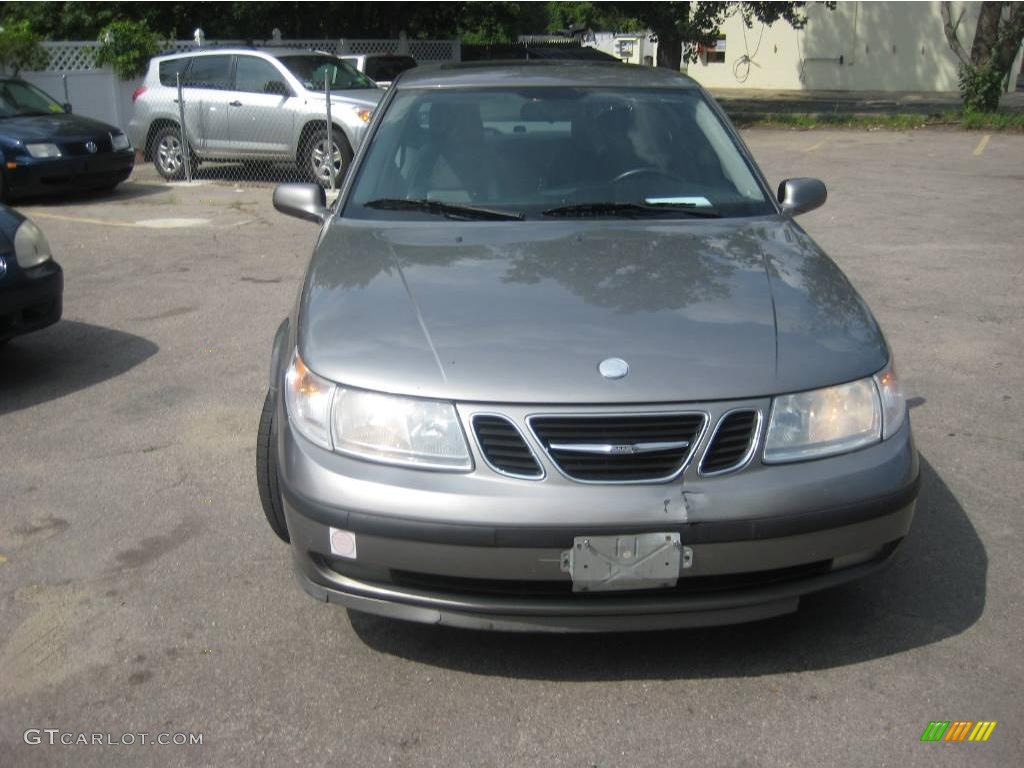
(127, 46)
(20, 47)
(981, 86)
(482, 23)
(600, 16)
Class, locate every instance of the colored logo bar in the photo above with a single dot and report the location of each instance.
(958, 730)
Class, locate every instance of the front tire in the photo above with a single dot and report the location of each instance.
(318, 165)
(266, 470)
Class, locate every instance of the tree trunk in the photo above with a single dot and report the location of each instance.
(987, 33)
(1011, 38)
(996, 42)
(670, 48)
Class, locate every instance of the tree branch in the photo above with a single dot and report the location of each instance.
(950, 28)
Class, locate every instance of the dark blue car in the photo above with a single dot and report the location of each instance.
(31, 282)
(45, 149)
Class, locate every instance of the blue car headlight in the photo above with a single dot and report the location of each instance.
(43, 150)
(30, 246)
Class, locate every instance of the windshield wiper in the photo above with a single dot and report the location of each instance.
(633, 209)
(451, 210)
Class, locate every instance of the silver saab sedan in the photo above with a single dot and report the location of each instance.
(561, 361)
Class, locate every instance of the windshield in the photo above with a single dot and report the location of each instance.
(310, 70)
(18, 98)
(543, 149)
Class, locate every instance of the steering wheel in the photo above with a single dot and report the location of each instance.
(647, 170)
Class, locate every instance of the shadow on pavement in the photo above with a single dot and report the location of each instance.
(934, 589)
(124, 192)
(65, 358)
(262, 172)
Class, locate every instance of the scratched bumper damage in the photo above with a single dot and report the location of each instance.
(484, 550)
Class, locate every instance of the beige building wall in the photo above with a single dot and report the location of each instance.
(873, 46)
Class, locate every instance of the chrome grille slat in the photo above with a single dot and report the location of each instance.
(617, 448)
(503, 447)
(732, 443)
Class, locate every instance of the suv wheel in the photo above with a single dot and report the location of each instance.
(169, 153)
(319, 164)
(266, 470)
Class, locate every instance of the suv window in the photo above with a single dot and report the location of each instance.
(255, 75)
(387, 68)
(313, 69)
(169, 70)
(209, 72)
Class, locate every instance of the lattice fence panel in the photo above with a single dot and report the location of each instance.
(70, 57)
(434, 50)
(369, 46)
(81, 56)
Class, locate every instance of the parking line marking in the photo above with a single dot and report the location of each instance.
(81, 219)
(817, 146)
(982, 144)
(143, 224)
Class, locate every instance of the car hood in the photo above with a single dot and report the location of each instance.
(525, 311)
(55, 127)
(363, 97)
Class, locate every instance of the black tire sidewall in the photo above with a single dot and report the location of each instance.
(266, 469)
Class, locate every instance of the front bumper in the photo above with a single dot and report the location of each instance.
(42, 176)
(31, 299)
(482, 550)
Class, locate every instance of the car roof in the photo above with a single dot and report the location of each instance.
(237, 51)
(547, 72)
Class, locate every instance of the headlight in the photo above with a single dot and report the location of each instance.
(363, 113)
(30, 246)
(308, 400)
(824, 422)
(894, 404)
(43, 150)
(399, 430)
(119, 141)
(371, 425)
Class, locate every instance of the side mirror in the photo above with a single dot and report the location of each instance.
(304, 201)
(801, 195)
(67, 107)
(276, 88)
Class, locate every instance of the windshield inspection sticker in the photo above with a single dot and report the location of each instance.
(700, 202)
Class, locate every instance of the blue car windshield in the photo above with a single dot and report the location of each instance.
(555, 151)
(20, 99)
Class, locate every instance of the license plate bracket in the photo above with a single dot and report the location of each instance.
(625, 561)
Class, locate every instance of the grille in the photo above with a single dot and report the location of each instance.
(687, 585)
(731, 442)
(77, 148)
(616, 449)
(504, 448)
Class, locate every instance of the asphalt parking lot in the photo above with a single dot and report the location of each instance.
(142, 591)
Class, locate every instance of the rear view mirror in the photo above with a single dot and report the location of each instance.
(801, 195)
(304, 201)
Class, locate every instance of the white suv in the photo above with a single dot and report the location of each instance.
(252, 105)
